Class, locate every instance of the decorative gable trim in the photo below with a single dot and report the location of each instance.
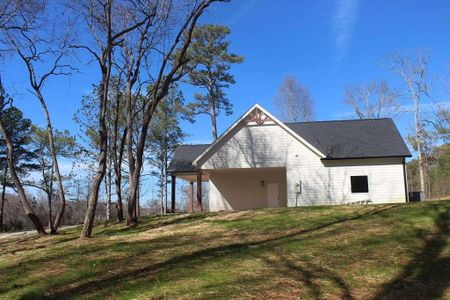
(257, 115)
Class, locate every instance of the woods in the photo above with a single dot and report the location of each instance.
(126, 39)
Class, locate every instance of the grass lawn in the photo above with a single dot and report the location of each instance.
(340, 252)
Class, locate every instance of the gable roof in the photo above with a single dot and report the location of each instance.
(256, 108)
(347, 139)
(184, 156)
(353, 138)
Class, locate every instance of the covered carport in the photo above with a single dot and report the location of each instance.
(181, 167)
(247, 188)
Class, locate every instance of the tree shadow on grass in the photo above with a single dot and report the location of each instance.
(155, 223)
(308, 274)
(428, 274)
(13, 247)
(109, 281)
(75, 254)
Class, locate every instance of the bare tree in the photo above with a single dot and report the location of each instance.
(19, 17)
(86, 118)
(109, 24)
(294, 101)
(19, 14)
(40, 48)
(372, 100)
(134, 48)
(118, 145)
(102, 19)
(413, 73)
(170, 70)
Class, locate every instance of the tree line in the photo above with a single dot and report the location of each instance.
(140, 49)
(415, 88)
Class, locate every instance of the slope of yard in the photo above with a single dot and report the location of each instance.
(341, 252)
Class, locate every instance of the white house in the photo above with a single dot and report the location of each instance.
(261, 162)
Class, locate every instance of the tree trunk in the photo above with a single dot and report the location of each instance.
(99, 175)
(108, 202)
(165, 190)
(213, 121)
(51, 224)
(50, 213)
(173, 193)
(137, 212)
(118, 156)
(191, 196)
(108, 189)
(161, 192)
(62, 197)
(22, 196)
(131, 215)
(419, 147)
(135, 176)
(105, 66)
(119, 204)
(2, 205)
(101, 168)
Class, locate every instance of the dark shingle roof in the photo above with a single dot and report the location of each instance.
(184, 156)
(336, 139)
(353, 138)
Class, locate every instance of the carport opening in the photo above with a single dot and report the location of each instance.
(241, 189)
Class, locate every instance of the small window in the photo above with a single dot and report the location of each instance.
(359, 184)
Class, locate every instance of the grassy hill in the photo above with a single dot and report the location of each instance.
(339, 252)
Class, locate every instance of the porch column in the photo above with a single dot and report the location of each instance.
(173, 195)
(191, 196)
(199, 190)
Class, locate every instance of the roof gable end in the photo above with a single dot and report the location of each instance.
(257, 115)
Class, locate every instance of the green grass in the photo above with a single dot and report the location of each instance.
(340, 252)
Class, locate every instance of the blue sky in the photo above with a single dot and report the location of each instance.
(324, 44)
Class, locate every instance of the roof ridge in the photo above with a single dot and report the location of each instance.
(194, 144)
(345, 120)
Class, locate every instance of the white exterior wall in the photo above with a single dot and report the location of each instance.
(323, 182)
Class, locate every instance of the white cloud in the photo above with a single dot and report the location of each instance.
(343, 23)
(247, 6)
(428, 107)
(405, 109)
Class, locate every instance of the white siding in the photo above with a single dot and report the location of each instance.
(323, 182)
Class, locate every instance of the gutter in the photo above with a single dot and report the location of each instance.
(365, 157)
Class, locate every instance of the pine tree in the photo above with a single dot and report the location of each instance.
(18, 130)
(211, 61)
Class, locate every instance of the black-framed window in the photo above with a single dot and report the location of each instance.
(360, 184)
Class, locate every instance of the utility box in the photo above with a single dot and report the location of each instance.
(415, 196)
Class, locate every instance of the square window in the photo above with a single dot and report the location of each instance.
(359, 184)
